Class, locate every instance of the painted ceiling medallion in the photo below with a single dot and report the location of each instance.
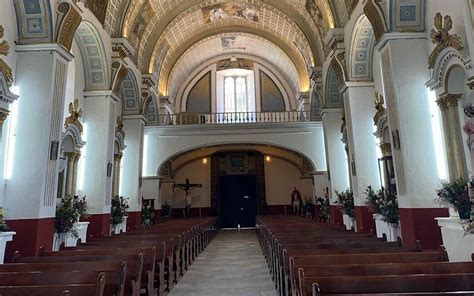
(75, 114)
(442, 38)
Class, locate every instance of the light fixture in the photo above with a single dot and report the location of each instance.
(204, 160)
(268, 158)
(233, 59)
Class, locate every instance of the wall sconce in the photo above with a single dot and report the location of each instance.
(204, 160)
(268, 158)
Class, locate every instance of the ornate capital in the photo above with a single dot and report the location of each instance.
(118, 157)
(447, 100)
(442, 38)
(386, 149)
(3, 115)
(68, 21)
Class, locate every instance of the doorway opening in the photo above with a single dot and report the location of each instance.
(238, 205)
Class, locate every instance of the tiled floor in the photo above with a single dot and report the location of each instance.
(232, 264)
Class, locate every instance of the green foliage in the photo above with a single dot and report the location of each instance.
(148, 214)
(372, 198)
(68, 212)
(3, 224)
(388, 207)
(325, 209)
(346, 200)
(118, 209)
(457, 195)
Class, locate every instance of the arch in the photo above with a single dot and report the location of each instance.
(130, 94)
(150, 110)
(361, 51)
(333, 96)
(170, 59)
(72, 139)
(275, 74)
(447, 60)
(306, 167)
(96, 69)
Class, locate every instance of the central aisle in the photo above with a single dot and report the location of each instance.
(232, 264)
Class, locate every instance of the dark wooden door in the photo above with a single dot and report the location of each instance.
(238, 201)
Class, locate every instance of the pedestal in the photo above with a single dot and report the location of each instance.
(4, 238)
(68, 238)
(119, 228)
(349, 222)
(459, 246)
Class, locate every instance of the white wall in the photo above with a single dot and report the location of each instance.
(280, 179)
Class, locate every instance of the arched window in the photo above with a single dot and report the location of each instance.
(235, 94)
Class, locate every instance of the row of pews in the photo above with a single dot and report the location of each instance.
(310, 258)
(143, 262)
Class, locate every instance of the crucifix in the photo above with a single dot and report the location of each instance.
(187, 187)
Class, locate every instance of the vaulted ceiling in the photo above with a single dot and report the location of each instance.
(173, 37)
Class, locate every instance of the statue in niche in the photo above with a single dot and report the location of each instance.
(296, 201)
(75, 113)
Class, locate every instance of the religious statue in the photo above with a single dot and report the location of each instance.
(296, 201)
(75, 113)
(442, 38)
(187, 187)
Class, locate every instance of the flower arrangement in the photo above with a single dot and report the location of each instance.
(346, 200)
(468, 227)
(148, 214)
(80, 205)
(372, 199)
(3, 224)
(388, 207)
(118, 210)
(325, 209)
(456, 194)
(68, 213)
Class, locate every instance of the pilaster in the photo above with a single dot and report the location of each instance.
(405, 71)
(358, 103)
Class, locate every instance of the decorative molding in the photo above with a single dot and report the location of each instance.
(376, 18)
(75, 133)
(75, 113)
(51, 47)
(380, 118)
(119, 127)
(333, 38)
(34, 19)
(3, 115)
(119, 72)
(98, 8)
(68, 21)
(387, 37)
(442, 38)
(234, 63)
(445, 59)
(5, 94)
(361, 51)
(123, 44)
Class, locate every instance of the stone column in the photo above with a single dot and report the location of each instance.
(30, 192)
(359, 106)
(99, 133)
(336, 158)
(404, 69)
(77, 156)
(70, 173)
(448, 103)
(116, 178)
(132, 162)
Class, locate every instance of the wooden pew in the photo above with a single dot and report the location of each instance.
(91, 289)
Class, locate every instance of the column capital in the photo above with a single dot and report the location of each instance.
(139, 117)
(350, 84)
(51, 47)
(3, 115)
(447, 100)
(331, 111)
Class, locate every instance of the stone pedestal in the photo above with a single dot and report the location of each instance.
(4, 238)
(390, 231)
(459, 246)
(69, 239)
(349, 222)
(119, 228)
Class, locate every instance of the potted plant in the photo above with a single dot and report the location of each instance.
(346, 200)
(308, 207)
(456, 194)
(388, 207)
(165, 212)
(81, 206)
(65, 218)
(118, 212)
(5, 235)
(148, 215)
(324, 214)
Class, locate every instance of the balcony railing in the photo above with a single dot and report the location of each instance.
(234, 118)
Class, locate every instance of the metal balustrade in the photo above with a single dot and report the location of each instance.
(234, 118)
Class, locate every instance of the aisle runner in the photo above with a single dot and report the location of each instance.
(232, 264)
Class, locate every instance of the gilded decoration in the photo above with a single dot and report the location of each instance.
(98, 8)
(5, 50)
(119, 127)
(69, 21)
(243, 10)
(120, 73)
(379, 107)
(442, 38)
(75, 113)
(234, 63)
(3, 115)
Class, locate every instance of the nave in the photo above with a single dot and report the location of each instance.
(232, 265)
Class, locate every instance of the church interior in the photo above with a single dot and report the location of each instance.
(236, 147)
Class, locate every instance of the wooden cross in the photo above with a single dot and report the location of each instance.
(187, 187)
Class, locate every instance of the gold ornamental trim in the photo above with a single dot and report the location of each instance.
(442, 38)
